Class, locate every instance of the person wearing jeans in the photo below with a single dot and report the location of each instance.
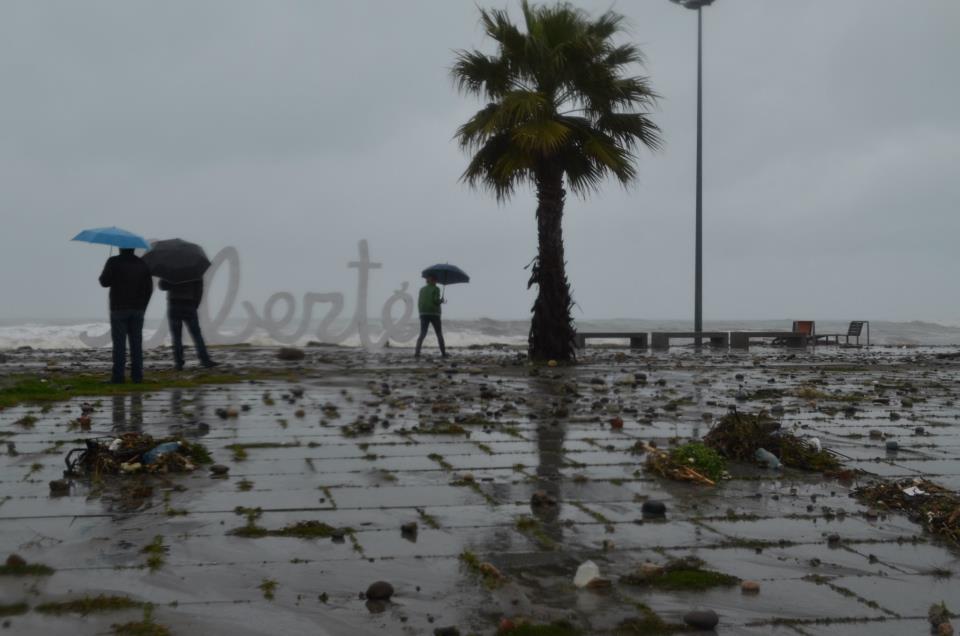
(429, 303)
(130, 284)
(183, 300)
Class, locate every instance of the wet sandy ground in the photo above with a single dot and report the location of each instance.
(370, 446)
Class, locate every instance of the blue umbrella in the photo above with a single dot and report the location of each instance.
(446, 274)
(112, 236)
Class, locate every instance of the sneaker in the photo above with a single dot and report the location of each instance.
(178, 367)
(209, 364)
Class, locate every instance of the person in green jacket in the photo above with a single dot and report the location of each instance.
(429, 304)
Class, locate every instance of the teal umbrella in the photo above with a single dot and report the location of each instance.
(112, 236)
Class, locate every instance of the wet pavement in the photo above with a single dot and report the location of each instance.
(376, 441)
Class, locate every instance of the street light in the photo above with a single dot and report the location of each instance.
(698, 267)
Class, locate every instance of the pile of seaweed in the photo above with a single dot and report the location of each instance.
(933, 507)
(739, 436)
(692, 462)
(131, 453)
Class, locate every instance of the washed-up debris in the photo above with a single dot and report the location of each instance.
(740, 435)
(934, 507)
(690, 462)
(587, 572)
(135, 452)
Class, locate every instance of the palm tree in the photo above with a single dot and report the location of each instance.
(561, 111)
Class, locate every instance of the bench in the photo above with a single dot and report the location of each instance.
(661, 339)
(741, 339)
(638, 340)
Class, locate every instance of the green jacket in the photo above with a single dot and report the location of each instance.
(429, 301)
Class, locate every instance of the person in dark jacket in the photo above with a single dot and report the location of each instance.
(183, 299)
(131, 286)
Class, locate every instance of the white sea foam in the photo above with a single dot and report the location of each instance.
(65, 334)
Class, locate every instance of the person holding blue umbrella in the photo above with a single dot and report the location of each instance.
(131, 285)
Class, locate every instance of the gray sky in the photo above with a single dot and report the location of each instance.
(293, 129)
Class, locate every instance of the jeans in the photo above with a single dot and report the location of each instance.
(425, 322)
(127, 324)
(178, 316)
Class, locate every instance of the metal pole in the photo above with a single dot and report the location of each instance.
(698, 283)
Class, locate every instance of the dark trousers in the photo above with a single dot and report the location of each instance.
(178, 316)
(425, 322)
(124, 325)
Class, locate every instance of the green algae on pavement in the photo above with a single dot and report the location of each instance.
(34, 388)
(13, 609)
(90, 605)
(145, 627)
(559, 628)
(18, 567)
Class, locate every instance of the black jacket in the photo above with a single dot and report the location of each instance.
(189, 293)
(129, 281)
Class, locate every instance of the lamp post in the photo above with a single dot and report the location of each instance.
(698, 267)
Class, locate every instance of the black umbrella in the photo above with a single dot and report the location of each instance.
(177, 261)
(446, 274)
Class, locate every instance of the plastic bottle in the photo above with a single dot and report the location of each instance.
(767, 458)
(156, 452)
(587, 571)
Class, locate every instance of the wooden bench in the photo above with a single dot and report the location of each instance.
(741, 339)
(661, 339)
(638, 340)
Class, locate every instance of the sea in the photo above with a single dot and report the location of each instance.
(65, 333)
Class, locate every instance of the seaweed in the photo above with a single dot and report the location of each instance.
(682, 574)
(738, 436)
(933, 507)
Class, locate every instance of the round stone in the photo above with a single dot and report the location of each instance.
(701, 619)
(379, 591)
(750, 587)
(654, 508)
(892, 445)
(219, 469)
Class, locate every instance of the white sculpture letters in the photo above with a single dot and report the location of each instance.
(280, 327)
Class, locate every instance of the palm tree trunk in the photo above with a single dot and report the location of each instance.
(551, 329)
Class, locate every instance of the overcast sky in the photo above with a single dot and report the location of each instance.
(291, 130)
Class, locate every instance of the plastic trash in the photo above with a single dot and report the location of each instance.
(913, 491)
(767, 458)
(157, 452)
(115, 445)
(587, 571)
(815, 442)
